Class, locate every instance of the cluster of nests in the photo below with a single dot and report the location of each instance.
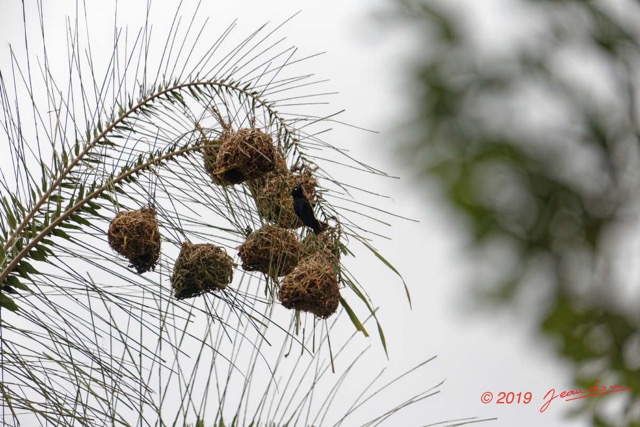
(309, 267)
(198, 269)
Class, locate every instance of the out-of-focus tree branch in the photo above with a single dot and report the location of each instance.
(538, 144)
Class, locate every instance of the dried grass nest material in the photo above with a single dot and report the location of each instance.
(273, 194)
(210, 150)
(201, 268)
(327, 242)
(245, 155)
(312, 287)
(271, 250)
(136, 236)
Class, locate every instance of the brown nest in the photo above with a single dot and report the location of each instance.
(135, 235)
(201, 268)
(273, 194)
(312, 287)
(245, 155)
(210, 154)
(327, 242)
(271, 250)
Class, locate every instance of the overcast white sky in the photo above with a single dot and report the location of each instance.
(477, 352)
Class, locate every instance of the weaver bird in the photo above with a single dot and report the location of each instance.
(304, 211)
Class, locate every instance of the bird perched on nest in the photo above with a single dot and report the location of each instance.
(304, 211)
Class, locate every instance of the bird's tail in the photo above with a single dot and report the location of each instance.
(322, 226)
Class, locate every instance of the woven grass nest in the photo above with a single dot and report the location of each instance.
(273, 194)
(244, 155)
(327, 242)
(136, 236)
(312, 287)
(210, 154)
(201, 268)
(271, 250)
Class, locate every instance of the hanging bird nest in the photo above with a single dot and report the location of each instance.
(312, 287)
(273, 194)
(271, 250)
(136, 236)
(244, 155)
(327, 242)
(201, 268)
(210, 154)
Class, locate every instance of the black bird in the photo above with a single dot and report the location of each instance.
(305, 212)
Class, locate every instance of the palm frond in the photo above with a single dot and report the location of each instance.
(84, 338)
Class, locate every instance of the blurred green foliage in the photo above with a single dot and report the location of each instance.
(534, 134)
